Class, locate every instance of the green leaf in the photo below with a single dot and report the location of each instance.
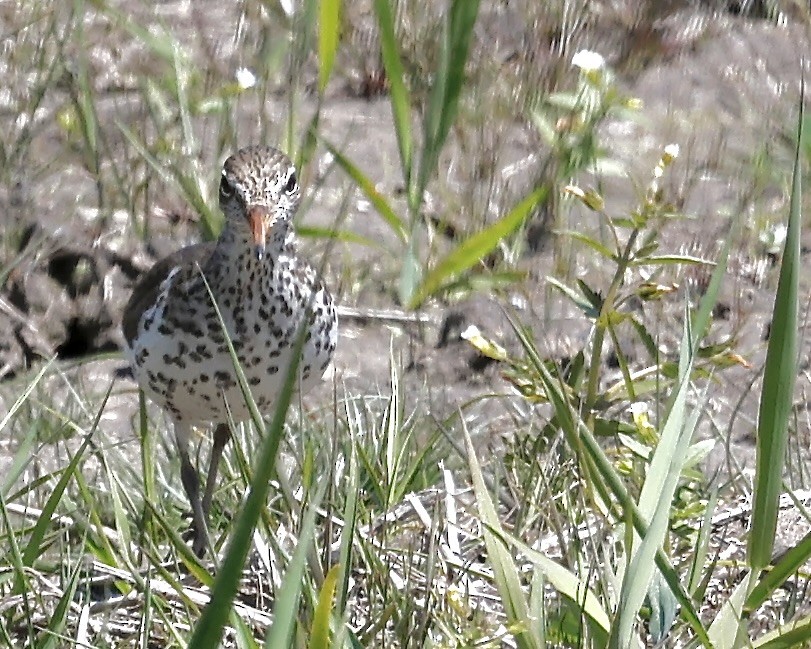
(410, 274)
(395, 73)
(728, 629)
(569, 585)
(577, 298)
(505, 572)
(25, 394)
(448, 81)
(285, 608)
(472, 249)
(590, 452)
(34, 546)
(788, 565)
(592, 243)
(344, 236)
(350, 518)
(368, 189)
(654, 505)
(662, 260)
(329, 31)
(778, 383)
(319, 638)
(57, 626)
(787, 636)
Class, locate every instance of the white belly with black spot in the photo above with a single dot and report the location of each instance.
(193, 376)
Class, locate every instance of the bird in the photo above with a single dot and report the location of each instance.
(265, 291)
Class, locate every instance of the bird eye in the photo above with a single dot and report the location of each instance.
(290, 187)
(226, 188)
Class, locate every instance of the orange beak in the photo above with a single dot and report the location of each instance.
(257, 220)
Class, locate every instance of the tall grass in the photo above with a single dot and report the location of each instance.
(366, 521)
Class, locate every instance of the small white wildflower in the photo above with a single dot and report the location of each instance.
(471, 332)
(638, 409)
(288, 6)
(485, 346)
(774, 238)
(245, 78)
(588, 61)
(641, 417)
(779, 233)
(672, 151)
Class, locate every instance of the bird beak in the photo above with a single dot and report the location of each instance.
(257, 220)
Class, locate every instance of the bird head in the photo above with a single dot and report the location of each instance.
(259, 194)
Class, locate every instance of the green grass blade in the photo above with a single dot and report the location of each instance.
(13, 559)
(210, 220)
(148, 472)
(787, 636)
(703, 315)
(568, 584)
(476, 246)
(181, 68)
(189, 559)
(505, 572)
(700, 566)
(728, 628)
(34, 547)
(160, 42)
(778, 383)
(244, 633)
(369, 190)
(60, 616)
(395, 73)
(788, 565)
(285, 608)
(350, 518)
(146, 613)
(19, 401)
(22, 458)
(319, 638)
(655, 505)
(329, 31)
(672, 437)
(410, 272)
(344, 236)
(4, 635)
(447, 87)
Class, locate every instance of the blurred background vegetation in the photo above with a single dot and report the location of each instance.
(559, 232)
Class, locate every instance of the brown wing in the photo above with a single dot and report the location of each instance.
(148, 287)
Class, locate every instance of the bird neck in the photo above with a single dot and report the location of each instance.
(236, 253)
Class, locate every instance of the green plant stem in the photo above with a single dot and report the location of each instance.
(600, 328)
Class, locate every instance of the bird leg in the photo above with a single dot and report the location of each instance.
(221, 436)
(191, 484)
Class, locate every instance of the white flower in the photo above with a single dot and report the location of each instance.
(638, 409)
(245, 78)
(471, 333)
(779, 233)
(774, 238)
(588, 61)
(672, 150)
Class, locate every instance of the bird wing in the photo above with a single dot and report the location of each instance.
(147, 289)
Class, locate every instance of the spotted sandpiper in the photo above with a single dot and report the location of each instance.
(265, 292)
